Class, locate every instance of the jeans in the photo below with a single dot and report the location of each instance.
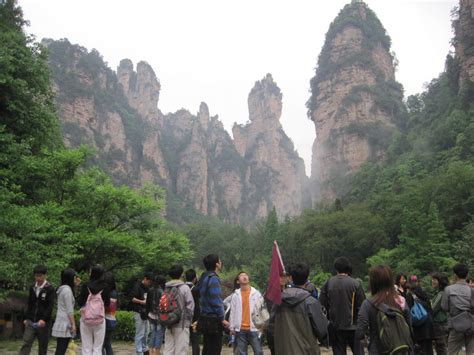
(157, 334)
(109, 328)
(141, 334)
(244, 338)
(31, 334)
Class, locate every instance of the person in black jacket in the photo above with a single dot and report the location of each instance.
(92, 336)
(38, 314)
(423, 333)
(342, 296)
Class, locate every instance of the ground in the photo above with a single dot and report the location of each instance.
(120, 348)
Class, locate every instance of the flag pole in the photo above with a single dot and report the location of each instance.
(279, 255)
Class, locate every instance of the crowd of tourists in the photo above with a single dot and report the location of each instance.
(172, 316)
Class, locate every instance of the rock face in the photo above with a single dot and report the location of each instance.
(272, 160)
(464, 42)
(192, 156)
(355, 102)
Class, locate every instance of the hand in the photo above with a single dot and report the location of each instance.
(225, 324)
(73, 330)
(41, 323)
(24, 322)
(77, 281)
(232, 332)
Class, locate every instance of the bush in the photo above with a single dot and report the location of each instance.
(125, 329)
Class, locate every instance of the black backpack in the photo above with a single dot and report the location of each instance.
(393, 332)
(153, 300)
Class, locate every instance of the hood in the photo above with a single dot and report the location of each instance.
(204, 279)
(61, 288)
(173, 283)
(293, 296)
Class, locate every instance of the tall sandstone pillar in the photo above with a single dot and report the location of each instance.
(355, 102)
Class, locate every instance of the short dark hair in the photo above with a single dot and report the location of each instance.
(190, 275)
(40, 269)
(109, 279)
(210, 261)
(176, 271)
(299, 273)
(442, 280)
(97, 271)
(160, 280)
(149, 275)
(461, 270)
(343, 265)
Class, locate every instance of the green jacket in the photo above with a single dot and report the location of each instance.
(299, 322)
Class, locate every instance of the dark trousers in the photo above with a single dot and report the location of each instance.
(341, 339)
(31, 334)
(194, 341)
(61, 345)
(107, 347)
(441, 338)
(212, 344)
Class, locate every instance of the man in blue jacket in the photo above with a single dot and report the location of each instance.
(212, 307)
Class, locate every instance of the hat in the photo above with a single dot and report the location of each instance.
(413, 278)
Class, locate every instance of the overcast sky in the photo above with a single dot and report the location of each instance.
(215, 50)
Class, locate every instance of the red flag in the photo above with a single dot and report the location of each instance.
(277, 268)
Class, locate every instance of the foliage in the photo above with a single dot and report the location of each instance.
(55, 209)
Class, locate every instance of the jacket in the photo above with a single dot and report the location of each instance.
(185, 303)
(210, 299)
(368, 320)
(235, 318)
(299, 322)
(62, 324)
(41, 306)
(456, 299)
(342, 297)
(424, 331)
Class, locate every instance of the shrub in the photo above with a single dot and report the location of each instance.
(125, 329)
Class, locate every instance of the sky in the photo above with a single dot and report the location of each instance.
(214, 51)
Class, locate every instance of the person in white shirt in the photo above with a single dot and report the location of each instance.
(242, 306)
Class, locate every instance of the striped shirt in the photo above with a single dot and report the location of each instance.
(210, 294)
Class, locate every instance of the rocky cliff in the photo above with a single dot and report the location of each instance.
(464, 44)
(355, 101)
(272, 161)
(191, 155)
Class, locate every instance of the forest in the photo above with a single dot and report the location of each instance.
(414, 211)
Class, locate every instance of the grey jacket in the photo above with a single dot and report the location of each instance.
(456, 299)
(342, 296)
(185, 303)
(299, 322)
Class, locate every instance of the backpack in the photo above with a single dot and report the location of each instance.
(260, 314)
(418, 313)
(393, 331)
(169, 311)
(93, 312)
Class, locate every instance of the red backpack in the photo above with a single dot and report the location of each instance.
(169, 313)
